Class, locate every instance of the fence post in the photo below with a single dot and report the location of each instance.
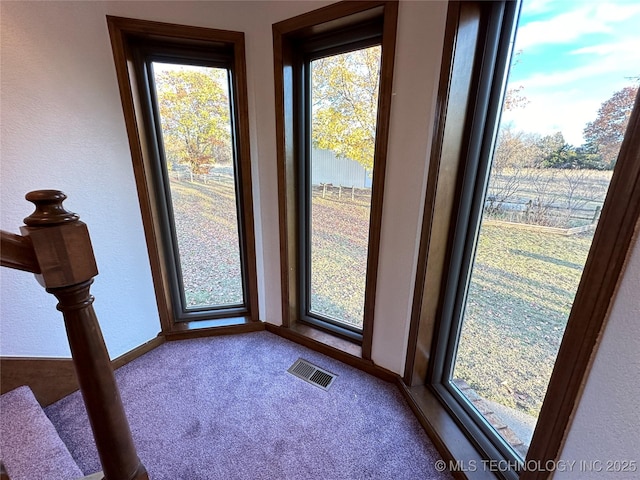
(596, 214)
(324, 189)
(340, 192)
(352, 193)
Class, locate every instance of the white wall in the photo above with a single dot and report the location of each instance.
(62, 127)
(606, 427)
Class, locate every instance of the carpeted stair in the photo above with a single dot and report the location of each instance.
(226, 408)
(30, 447)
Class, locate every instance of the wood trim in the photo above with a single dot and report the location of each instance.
(601, 275)
(17, 252)
(3, 472)
(310, 23)
(380, 168)
(287, 174)
(51, 379)
(210, 328)
(444, 432)
(119, 31)
(600, 279)
(123, 32)
(285, 34)
(246, 193)
(137, 352)
(332, 351)
(421, 327)
(187, 33)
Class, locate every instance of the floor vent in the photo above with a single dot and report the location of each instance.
(312, 374)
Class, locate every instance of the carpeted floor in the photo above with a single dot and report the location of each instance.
(225, 408)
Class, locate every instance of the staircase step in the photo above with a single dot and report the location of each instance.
(30, 447)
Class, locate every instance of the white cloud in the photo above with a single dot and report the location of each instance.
(536, 6)
(564, 28)
(560, 112)
(591, 17)
(621, 48)
(614, 62)
(606, 68)
(613, 12)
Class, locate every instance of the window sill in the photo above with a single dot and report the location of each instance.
(206, 328)
(451, 442)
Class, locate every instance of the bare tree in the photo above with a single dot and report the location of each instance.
(539, 207)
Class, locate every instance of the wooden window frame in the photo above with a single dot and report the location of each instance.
(287, 38)
(605, 263)
(128, 37)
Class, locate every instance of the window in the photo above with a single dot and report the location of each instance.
(192, 112)
(505, 289)
(341, 103)
(185, 106)
(335, 77)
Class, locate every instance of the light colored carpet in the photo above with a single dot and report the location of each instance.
(226, 408)
(30, 447)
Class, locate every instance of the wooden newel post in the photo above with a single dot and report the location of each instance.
(63, 249)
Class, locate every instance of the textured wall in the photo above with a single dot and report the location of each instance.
(606, 428)
(62, 127)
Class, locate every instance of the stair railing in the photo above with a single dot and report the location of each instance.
(55, 245)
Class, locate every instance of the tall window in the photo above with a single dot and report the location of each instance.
(537, 168)
(191, 106)
(332, 166)
(341, 105)
(189, 98)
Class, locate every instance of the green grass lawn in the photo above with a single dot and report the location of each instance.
(340, 231)
(207, 233)
(519, 299)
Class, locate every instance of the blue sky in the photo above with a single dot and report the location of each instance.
(574, 55)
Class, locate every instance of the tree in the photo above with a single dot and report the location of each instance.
(604, 135)
(568, 156)
(514, 149)
(514, 99)
(546, 146)
(345, 104)
(194, 112)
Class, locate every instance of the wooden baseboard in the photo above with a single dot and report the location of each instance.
(330, 349)
(51, 379)
(450, 441)
(137, 352)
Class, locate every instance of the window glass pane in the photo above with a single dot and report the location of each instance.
(195, 115)
(569, 97)
(344, 104)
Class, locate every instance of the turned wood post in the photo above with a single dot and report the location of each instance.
(63, 249)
